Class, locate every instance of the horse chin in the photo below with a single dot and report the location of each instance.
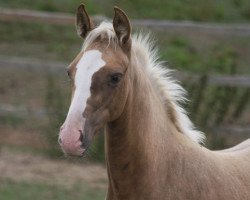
(77, 153)
(88, 135)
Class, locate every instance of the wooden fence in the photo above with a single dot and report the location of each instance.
(215, 98)
(158, 25)
(54, 67)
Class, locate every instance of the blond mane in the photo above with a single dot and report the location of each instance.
(168, 89)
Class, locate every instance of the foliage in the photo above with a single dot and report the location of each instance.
(55, 106)
(243, 100)
(26, 190)
(181, 54)
(198, 10)
(213, 105)
(11, 120)
(223, 59)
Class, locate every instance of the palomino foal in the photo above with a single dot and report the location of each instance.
(152, 149)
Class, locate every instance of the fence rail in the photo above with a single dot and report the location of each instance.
(11, 63)
(160, 25)
(234, 104)
(54, 67)
(25, 112)
(219, 80)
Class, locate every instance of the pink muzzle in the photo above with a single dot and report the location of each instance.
(70, 140)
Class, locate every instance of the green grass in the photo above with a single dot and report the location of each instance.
(11, 120)
(50, 42)
(199, 10)
(10, 190)
(218, 55)
(50, 5)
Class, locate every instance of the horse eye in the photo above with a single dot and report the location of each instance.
(115, 79)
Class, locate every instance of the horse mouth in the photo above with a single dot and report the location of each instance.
(85, 141)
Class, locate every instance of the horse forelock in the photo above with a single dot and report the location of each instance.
(168, 89)
(104, 31)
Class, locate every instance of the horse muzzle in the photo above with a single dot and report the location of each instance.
(73, 142)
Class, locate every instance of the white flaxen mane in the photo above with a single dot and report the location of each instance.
(159, 74)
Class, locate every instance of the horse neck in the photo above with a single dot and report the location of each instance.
(139, 138)
(139, 120)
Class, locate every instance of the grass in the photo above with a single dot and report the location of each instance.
(185, 53)
(50, 42)
(10, 190)
(11, 120)
(198, 10)
(31, 175)
(51, 5)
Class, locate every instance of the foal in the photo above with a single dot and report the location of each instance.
(152, 149)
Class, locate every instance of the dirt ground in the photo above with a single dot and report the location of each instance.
(27, 167)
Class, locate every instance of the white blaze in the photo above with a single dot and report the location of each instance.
(90, 63)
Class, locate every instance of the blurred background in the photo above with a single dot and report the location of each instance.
(207, 42)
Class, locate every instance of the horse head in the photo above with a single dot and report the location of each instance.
(99, 76)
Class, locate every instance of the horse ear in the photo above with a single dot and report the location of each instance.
(83, 22)
(122, 27)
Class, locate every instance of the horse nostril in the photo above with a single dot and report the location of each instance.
(60, 141)
(81, 136)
